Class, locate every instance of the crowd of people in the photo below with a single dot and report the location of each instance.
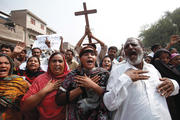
(57, 85)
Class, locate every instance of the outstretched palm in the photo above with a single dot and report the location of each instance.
(19, 47)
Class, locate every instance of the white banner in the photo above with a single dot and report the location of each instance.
(54, 42)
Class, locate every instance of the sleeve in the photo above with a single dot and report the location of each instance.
(77, 49)
(176, 87)
(163, 71)
(102, 52)
(116, 90)
(175, 83)
(34, 88)
(66, 85)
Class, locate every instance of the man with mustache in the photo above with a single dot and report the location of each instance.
(135, 89)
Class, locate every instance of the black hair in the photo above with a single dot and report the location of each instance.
(30, 59)
(34, 57)
(10, 61)
(158, 54)
(70, 50)
(7, 46)
(93, 45)
(85, 49)
(56, 53)
(100, 65)
(113, 48)
(37, 48)
(25, 51)
(155, 46)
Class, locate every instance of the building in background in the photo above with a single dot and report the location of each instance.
(23, 26)
(32, 24)
(10, 32)
(50, 31)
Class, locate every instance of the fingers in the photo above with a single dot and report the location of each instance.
(21, 44)
(168, 92)
(57, 84)
(143, 77)
(136, 71)
(163, 79)
(85, 81)
(61, 37)
(165, 88)
(80, 83)
(50, 81)
(140, 71)
(174, 39)
(165, 84)
(95, 78)
(137, 74)
(78, 77)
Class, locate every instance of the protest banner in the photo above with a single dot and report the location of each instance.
(54, 42)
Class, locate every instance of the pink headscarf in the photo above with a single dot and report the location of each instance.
(174, 55)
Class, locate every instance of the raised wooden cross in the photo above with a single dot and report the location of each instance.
(86, 12)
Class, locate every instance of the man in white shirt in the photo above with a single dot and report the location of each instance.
(112, 52)
(135, 89)
(44, 61)
(154, 48)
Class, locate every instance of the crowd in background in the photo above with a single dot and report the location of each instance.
(57, 85)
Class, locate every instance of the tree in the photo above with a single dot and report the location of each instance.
(161, 31)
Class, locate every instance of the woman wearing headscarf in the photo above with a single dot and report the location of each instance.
(83, 89)
(44, 88)
(12, 89)
(175, 61)
(161, 63)
(32, 70)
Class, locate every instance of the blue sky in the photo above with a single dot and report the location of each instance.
(114, 22)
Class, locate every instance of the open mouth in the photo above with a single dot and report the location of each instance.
(106, 65)
(3, 70)
(57, 68)
(132, 54)
(90, 61)
(32, 65)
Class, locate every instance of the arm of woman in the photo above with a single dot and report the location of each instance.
(78, 45)
(33, 100)
(87, 82)
(64, 98)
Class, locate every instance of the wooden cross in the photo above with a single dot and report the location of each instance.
(86, 12)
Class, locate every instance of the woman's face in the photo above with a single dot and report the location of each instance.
(88, 60)
(57, 65)
(147, 59)
(164, 57)
(4, 67)
(176, 60)
(33, 64)
(106, 64)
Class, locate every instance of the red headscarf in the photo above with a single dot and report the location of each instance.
(66, 70)
(47, 108)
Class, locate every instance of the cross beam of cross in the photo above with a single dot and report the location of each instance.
(85, 13)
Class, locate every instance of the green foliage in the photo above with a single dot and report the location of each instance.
(160, 32)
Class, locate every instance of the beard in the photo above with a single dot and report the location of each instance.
(137, 61)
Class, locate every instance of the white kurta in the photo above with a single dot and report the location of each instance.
(136, 100)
